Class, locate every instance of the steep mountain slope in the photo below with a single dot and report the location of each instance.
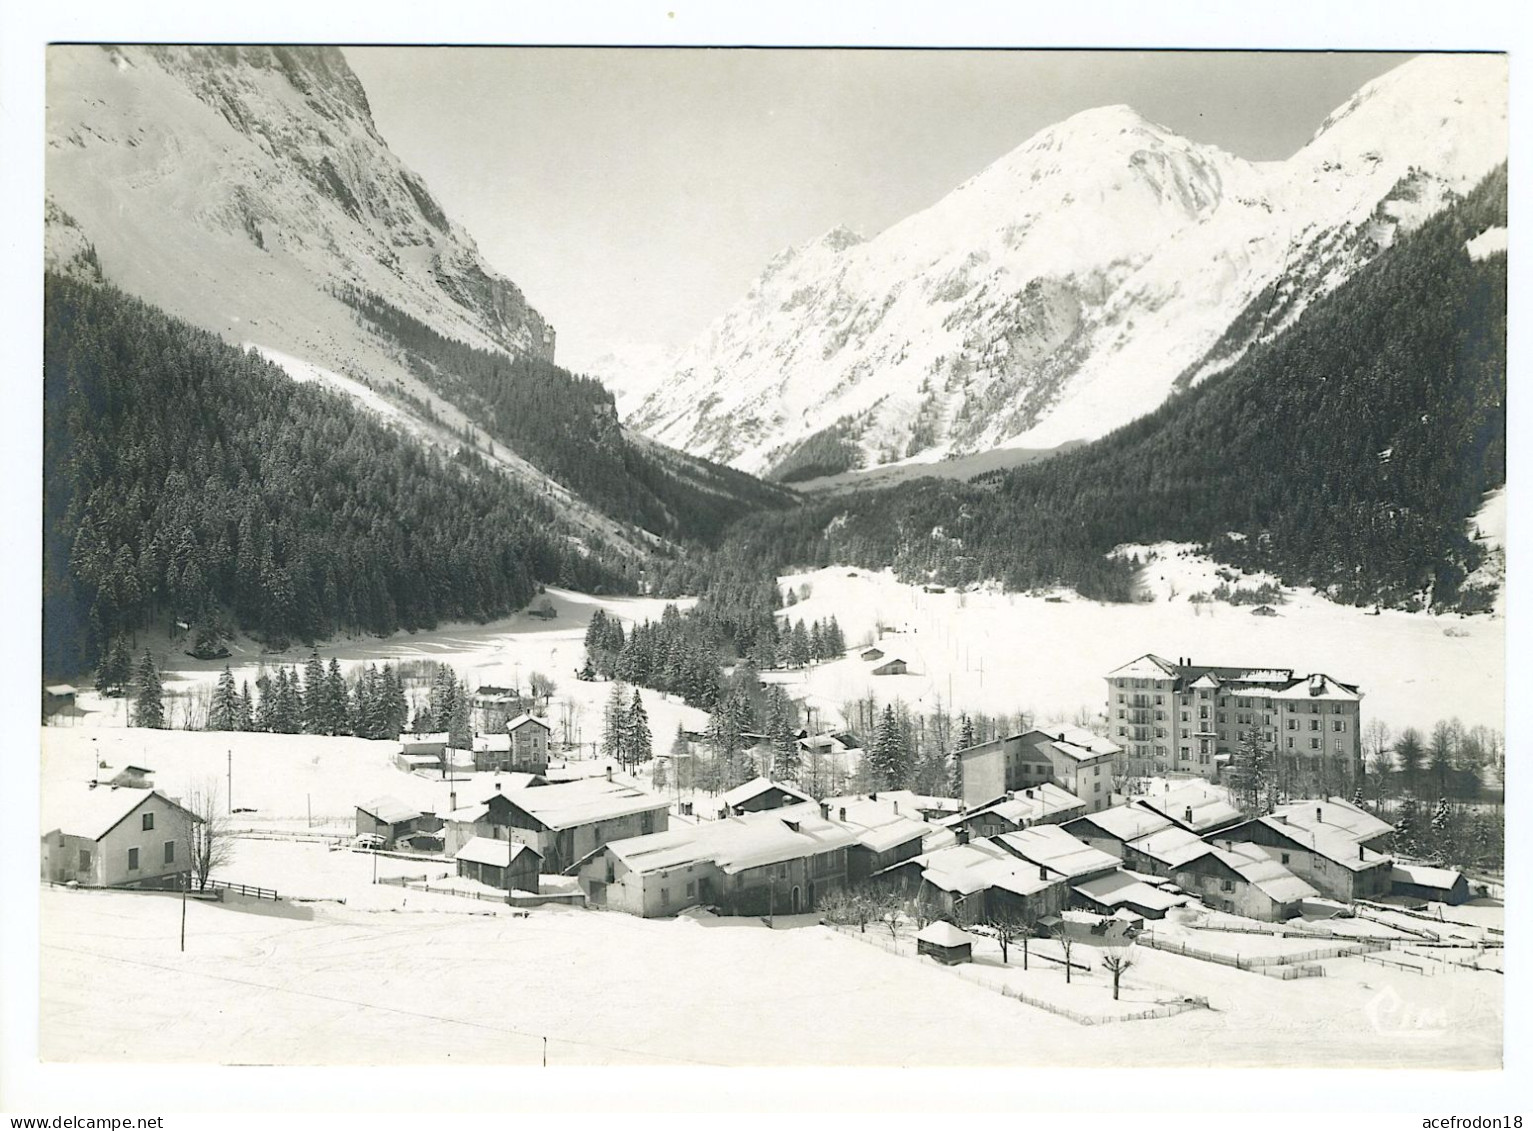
(189, 480)
(1070, 286)
(247, 190)
(1352, 452)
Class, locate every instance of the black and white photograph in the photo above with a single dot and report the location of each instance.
(647, 555)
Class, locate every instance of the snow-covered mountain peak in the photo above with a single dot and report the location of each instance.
(1069, 286)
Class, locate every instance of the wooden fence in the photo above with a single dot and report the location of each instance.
(1258, 962)
(240, 889)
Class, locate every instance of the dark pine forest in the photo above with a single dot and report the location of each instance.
(187, 479)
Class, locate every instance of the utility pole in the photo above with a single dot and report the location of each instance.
(229, 789)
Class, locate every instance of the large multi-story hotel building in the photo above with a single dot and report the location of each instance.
(1185, 718)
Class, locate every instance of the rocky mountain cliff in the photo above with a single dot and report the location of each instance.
(1071, 286)
(241, 186)
(248, 191)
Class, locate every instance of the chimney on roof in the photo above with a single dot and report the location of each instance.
(1043, 872)
(1318, 815)
(609, 773)
(1359, 852)
(872, 797)
(497, 787)
(961, 834)
(1188, 819)
(1029, 795)
(842, 812)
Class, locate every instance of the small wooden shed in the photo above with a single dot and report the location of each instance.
(945, 942)
(502, 864)
(895, 666)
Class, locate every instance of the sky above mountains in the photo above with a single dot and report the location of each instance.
(634, 193)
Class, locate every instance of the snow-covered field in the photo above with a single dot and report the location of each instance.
(326, 983)
(1003, 652)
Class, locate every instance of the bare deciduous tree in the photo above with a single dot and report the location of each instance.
(1117, 961)
(1067, 946)
(206, 839)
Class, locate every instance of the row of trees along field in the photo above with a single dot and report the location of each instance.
(1347, 453)
(567, 426)
(316, 698)
(187, 479)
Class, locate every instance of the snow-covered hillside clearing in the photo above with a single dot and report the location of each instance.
(1003, 652)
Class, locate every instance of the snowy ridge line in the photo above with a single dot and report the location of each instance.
(418, 1014)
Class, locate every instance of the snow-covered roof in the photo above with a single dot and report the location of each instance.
(1256, 867)
(522, 720)
(1052, 847)
(967, 868)
(943, 933)
(389, 810)
(1337, 814)
(755, 788)
(60, 689)
(1024, 805)
(1146, 666)
(735, 844)
(79, 810)
(1078, 742)
(1318, 687)
(1172, 846)
(496, 853)
(493, 743)
(1424, 876)
(568, 804)
(1209, 808)
(878, 827)
(1124, 822)
(1117, 888)
(421, 759)
(424, 739)
(1336, 845)
(468, 814)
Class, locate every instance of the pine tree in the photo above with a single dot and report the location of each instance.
(1251, 774)
(1443, 830)
(396, 710)
(313, 695)
(681, 758)
(149, 707)
(786, 755)
(460, 733)
(1407, 835)
(288, 715)
(224, 714)
(1409, 753)
(889, 766)
(614, 723)
(246, 718)
(638, 743)
(335, 721)
(115, 670)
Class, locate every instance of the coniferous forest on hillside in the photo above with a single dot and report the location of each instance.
(567, 426)
(1348, 453)
(187, 479)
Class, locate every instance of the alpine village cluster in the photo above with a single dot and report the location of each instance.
(258, 588)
